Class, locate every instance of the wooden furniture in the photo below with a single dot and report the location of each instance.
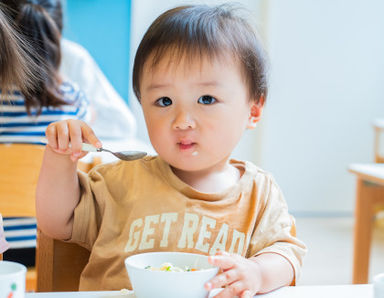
(19, 167)
(334, 291)
(58, 264)
(369, 196)
(379, 131)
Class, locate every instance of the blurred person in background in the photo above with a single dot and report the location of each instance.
(111, 117)
(27, 111)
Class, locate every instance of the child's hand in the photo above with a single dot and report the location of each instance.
(67, 136)
(240, 276)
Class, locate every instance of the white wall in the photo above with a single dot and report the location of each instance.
(327, 85)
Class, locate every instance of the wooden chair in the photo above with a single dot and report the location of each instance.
(379, 130)
(58, 264)
(19, 167)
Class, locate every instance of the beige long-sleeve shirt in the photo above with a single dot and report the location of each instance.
(133, 207)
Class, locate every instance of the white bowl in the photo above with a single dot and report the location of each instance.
(12, 279)
(149, 284)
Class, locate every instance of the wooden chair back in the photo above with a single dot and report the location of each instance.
(19, 167)
(58, 264)
(379, 133)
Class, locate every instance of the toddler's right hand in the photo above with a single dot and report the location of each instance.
(67, 136)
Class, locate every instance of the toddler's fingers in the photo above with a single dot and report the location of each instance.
(62, 136)
(223, 279)
(246, 294)
(51, 135)
(90, 136)
(222, 261)
(222, 253)
(75, 138)
(235, 289)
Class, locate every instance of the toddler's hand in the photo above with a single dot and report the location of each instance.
(67, 136)
(240, 277)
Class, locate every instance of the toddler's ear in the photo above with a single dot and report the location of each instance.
(256, 110)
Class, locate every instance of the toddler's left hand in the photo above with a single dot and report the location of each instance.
(240, 276)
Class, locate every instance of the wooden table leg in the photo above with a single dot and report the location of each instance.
(362, 233)
(368, 195)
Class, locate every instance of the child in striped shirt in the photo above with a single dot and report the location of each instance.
(32, 93)
(25, 114)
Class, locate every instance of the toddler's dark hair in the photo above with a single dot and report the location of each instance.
(39, 22)
(201, 30)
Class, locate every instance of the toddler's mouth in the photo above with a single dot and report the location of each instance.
(186, 145)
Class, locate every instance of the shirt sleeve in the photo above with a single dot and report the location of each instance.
(275, 230)
(87, 214)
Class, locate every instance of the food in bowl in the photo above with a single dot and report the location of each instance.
(170, 268)
(147, 283)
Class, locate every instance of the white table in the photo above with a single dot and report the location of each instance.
(338, 291)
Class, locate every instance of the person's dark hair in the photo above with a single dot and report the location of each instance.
(15, 66)
(40, 24)
(198, 30)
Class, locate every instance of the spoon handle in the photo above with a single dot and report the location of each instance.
(88, 147)
(84, 146)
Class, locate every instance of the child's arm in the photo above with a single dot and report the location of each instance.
(247, 277)
(58, 189)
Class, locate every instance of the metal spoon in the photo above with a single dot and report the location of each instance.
(123, 155)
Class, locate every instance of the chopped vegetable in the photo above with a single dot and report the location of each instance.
(170, 268)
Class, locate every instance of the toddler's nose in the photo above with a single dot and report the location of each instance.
(183, 121)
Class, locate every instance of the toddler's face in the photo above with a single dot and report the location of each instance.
(196, 112)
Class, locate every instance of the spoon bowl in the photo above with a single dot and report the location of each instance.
(123, 155)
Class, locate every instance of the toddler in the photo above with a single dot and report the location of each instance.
(199, 74)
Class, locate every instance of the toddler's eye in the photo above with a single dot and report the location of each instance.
(164, 101)
(206, 100)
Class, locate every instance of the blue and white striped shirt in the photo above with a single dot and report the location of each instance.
(20, 232)
(16, 126)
